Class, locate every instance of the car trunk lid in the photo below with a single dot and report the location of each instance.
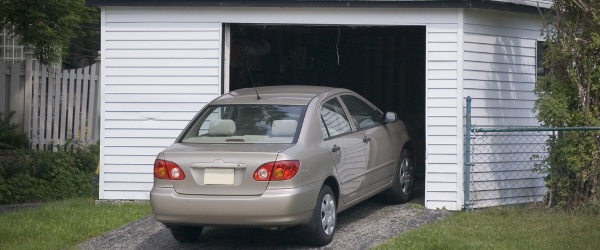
(221, 169)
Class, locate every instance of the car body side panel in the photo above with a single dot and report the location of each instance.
(350, 162)
(382, 152)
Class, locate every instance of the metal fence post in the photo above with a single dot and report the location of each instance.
(467, 167)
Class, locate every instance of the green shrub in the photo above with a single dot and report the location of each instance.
(10, 135)
(572, 169)
(87, 160)
(42, 175)
(39, 176)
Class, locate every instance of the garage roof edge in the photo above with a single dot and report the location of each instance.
(476, 4)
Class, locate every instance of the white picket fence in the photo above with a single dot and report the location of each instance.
(52, 106)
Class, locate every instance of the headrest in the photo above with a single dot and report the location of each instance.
(366, 123)
(284, 128)
(221, 127)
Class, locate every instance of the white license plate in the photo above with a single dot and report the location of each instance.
(218, 176)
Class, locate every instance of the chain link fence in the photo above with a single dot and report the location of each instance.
(503, 165)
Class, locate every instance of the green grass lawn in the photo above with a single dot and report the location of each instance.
(504, 228)
(65, 224)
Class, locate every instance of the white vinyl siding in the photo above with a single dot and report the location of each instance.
(500, 67)
(442, 137)
(157, 75)
(500, 75)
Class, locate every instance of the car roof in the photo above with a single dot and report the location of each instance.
(287, 94)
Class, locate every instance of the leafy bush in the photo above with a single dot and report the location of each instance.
(572, 169)
(39, 176)
(87, 159)
(10, 135)
(569, 96)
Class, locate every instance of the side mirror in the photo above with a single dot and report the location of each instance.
(390, 117)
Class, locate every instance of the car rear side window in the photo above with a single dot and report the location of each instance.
(246, 124)
(333, 119)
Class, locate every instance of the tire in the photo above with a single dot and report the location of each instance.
(324, 220)
(403, 185)
(186, 234)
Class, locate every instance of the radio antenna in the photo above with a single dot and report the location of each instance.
(250, 73)
(252, 80)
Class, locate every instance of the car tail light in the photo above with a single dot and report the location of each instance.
(167, 170)
(277, 170)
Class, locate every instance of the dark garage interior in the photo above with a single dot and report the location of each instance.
(385, 64)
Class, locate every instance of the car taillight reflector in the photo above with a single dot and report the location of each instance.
(167, 170)
(277, 170)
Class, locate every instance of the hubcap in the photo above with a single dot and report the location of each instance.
(328, 214)
(406, 177)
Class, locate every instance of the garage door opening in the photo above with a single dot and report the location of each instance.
(385, 64)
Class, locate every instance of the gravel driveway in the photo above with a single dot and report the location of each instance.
(360, 227)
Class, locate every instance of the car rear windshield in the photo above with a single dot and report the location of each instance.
(246, 124)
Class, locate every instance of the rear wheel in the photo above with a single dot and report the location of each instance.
(404, 180)
(324, 218)
(186, 234)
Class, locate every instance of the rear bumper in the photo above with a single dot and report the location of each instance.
(279, 207)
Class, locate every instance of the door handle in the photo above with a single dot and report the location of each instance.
(366, 139)
(335, 148)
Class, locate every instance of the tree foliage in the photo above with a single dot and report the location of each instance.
(47, 26)
(569, 96)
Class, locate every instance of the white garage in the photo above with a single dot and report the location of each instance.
(162, 61)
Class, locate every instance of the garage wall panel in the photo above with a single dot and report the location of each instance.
(140, 133)
(442, 196)
(442, 187)
(156, 76)
(161, 54)
(500, 66)
(148, 150)
(500, 75)
(435, 130)
(445, 168)
(159, 116)
(442, 119)
(172, 62)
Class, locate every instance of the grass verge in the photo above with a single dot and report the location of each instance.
(505, 228)
(65, 224)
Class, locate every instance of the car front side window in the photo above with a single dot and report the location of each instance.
(362, 114)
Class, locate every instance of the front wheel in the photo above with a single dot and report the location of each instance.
(324, 218)
(404, 180)
(186, 234)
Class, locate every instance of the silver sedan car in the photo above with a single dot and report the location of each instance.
(280, 157)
